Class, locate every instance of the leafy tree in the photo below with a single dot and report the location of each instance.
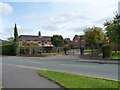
(10, 39)
(94, 36)
(57, 40)
(113, 29)
(66, 41)
(26, 44)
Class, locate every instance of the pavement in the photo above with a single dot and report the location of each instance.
(23, 77)
(102, 61)
(99, 61)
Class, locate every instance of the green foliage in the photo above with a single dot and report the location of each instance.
(10, 39)
(113, 32)
(107, 51)
(94, 36)
(7, 49)
(113, 29)
(26, 44)
(66, 41)
(15, 34)
(115, 55)
(57, 40)
(15, 44)
(15, 47)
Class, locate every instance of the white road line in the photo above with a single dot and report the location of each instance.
(26, 66)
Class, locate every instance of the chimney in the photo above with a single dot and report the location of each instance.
(39, 33)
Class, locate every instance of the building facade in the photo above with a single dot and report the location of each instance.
(35, 43)
(35, 40)
(78, 42)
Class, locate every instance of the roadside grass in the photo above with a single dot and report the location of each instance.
(56, 53)
(96, 52)
(1, 87)
(71, 81)
(115, 55)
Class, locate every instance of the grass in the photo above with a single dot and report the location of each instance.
(96, 52)
(56, 53)
(115, 55)
(68, 80)
(1, 87)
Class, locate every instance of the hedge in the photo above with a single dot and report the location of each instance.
(7, 49)
(106, 51)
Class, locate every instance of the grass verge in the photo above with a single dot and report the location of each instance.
(115, 55)
(56, 53)
(68, 80)
(1, 87)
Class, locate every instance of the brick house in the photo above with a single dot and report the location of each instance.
(78, 41)
(36, 42)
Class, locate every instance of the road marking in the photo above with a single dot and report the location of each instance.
(26, 66)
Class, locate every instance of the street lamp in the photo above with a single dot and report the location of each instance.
(80, 45)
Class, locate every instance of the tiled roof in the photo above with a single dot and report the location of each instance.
(34, 38)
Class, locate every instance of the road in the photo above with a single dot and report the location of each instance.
(21, 77)
(65, 64)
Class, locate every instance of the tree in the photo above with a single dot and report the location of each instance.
(94, 36)
(15, 34)
(113, 29)
(57, 40)
(10, 39)
(15, 44)
(66, 41)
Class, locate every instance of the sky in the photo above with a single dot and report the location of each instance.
(62, 17)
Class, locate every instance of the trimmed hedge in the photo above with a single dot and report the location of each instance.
(7, 49)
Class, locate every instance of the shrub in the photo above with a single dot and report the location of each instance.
(9, 49)
(106, 49)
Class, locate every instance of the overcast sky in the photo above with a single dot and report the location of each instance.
(62, 17)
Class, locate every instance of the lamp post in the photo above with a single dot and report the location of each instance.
(80, 45)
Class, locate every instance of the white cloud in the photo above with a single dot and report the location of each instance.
(67, 19)
(5, 8)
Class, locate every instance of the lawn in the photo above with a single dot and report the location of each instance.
(96, 52)
(55, 53)
(68, 80)
(115, 55)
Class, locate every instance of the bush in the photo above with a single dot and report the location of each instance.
(15, 47)
(22, 50)
(9, 49)
(106, 49)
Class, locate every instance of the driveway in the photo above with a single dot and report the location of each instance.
(22, 77)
